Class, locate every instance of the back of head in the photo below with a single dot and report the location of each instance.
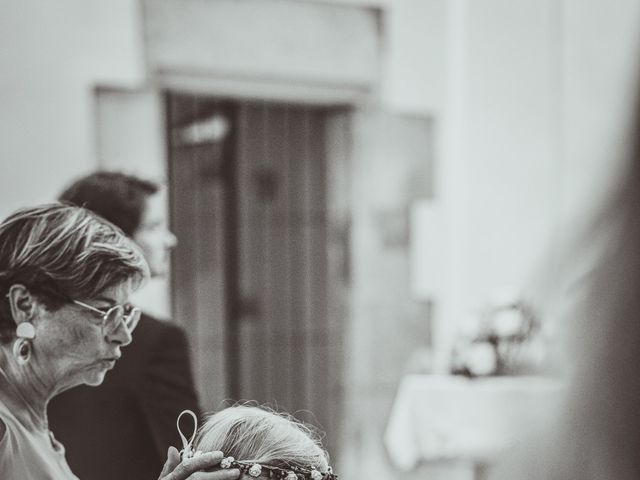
(258, 435)
(118, 197)
(61, 252)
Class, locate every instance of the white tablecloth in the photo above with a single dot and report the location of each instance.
(455, 418)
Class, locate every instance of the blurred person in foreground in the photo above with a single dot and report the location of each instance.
(133, 412)
(263, 444)
(597, 432)
(65, 280)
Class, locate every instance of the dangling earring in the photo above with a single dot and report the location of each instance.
(22, 346)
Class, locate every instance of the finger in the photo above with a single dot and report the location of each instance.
(195, 464)
(173, 459)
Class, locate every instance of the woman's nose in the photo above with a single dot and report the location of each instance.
(120, 336)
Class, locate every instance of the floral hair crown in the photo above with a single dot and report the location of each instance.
(268, 471)
(251, 468)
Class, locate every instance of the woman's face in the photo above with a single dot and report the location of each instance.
(70, 344)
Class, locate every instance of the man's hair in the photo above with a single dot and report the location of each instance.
(118, 197)
(260, 435)
(62, 252)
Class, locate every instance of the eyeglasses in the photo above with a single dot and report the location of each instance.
(111, 318)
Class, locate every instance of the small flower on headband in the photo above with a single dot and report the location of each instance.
(316, 475)
(291, 476)
(255, 470)
(226, 462)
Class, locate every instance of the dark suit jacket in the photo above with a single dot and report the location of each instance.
(123, 428)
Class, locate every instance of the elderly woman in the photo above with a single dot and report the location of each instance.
(65, 280)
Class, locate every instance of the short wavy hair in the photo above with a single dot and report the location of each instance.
(116, 196)
(61, 252)
(258, 434)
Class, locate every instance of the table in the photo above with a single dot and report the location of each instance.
(444, 417)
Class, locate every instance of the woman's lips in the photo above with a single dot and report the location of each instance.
(109, 362)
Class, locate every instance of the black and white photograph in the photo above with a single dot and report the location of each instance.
(319, 239)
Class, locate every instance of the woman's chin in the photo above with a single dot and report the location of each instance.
(95, 378)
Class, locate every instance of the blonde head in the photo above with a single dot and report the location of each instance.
(260, 435)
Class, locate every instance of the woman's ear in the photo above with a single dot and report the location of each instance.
(22, 303)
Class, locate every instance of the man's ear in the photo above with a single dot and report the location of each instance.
(22, 303)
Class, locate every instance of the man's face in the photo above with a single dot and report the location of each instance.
(153, 235)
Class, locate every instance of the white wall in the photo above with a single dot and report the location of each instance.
(530, 101)
(52, 55)
(488, 72)
(413, 78)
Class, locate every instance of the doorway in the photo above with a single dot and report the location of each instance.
(255, 278)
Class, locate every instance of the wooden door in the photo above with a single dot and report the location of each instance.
(282, 275)
(252, 275)
(199, 200)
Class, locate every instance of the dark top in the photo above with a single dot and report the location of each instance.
(123, 428)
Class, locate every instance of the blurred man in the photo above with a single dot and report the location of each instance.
(122, 429)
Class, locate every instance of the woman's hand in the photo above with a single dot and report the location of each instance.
(192, 468)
